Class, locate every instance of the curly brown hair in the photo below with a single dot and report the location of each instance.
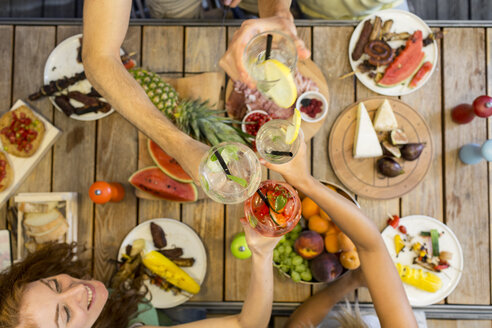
(52, 260)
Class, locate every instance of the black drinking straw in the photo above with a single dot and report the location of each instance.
(281, 153)
(222, 163)
(268, 46)
(263, 198)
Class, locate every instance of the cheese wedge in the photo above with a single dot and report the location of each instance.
(385, 119)
(366, 143)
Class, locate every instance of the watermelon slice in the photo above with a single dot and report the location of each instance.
(155, 182)
(406, 64)
(167, 164)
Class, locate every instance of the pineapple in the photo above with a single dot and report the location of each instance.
(194, 117)
(162, 94)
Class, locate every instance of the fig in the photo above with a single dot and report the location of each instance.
(326, 267)
(412, 151)
(462, 114)
(390, 150)
(158, 236)
(398, 137)
(388, 167)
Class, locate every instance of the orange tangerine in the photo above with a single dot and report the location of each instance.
(332, 229)
(324, 215)
(318, 224)
(350, 260)
(345, 243)
(309, 208)
(331, 243)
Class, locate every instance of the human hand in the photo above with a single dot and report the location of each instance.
(232, 61)
(258, 244)
(231, 3)
(297, 170)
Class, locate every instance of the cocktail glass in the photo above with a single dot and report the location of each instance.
(271, 142)
(283, 49)
(280, 215)
(233, 180)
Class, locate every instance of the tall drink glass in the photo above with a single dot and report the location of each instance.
(241, 179)
(280, 215)
(271, 142)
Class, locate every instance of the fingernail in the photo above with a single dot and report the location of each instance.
(227, 2)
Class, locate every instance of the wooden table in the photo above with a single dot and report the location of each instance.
(455, 193)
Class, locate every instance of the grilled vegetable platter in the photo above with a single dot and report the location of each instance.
(165, 255)
(427, 255)
(393, 52)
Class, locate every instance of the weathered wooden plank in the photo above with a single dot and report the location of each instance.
(6, 52)
(203, 48)
(117, 144)
(59, 8)
(427, 197)
(453, 9)
(377, 210)
(481, 9)
(435, 323)
(489, 135)
(70, 172)
(33, 44)
(425, 9)
(161, 42)
(280, 322)
(26, 8)
(465, 185)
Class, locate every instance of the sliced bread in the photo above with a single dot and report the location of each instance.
(51, 235)
(37, 223)
(37, 207)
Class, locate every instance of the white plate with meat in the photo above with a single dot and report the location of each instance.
(63, 62)
(403, 22)
(179, 235)
(448, 242)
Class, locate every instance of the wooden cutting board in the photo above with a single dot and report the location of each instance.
(308, 69)
(206, 86)
(360, 175)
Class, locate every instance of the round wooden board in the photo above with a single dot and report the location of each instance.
(310, 70)
(360, 175)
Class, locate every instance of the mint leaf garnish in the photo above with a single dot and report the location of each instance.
(253, 222)
(213, 158)
(280, 203)
(240, 181)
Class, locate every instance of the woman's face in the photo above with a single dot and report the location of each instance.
(62, 301)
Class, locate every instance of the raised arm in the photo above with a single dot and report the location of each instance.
(105, 27)
(379, 271)
(257, 306)
(274, 16)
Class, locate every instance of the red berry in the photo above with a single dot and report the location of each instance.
(462, 114)
(402, 229)
(482, 106)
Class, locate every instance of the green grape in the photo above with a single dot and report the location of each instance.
(295, 276)
(297, 260)
(292, 255)
(276, 258)
(288, 249)
(288, 261)
(306, 276)
(284, 268)
(294, 236)
(276, 253)
(300, 268)
(281, 249)
(282, 239)
(297, 228)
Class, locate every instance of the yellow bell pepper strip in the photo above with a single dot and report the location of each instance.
(165, 268)
(399, 244)
(418, 278)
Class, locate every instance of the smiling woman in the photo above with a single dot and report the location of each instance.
(48, 289)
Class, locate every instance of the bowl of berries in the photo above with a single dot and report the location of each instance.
(313, 106)
(253, 121)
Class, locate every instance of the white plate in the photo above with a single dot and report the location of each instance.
(62, 62)
(178, 234)
(447, 242)
(403, 21)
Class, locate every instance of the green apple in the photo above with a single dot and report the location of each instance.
(239, 247)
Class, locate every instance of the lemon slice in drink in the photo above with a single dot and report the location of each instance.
(284, 90)
(293, 131)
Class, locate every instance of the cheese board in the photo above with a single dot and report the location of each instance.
(22, 166)
(310, 70)
(360, 175)
(64, 203)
